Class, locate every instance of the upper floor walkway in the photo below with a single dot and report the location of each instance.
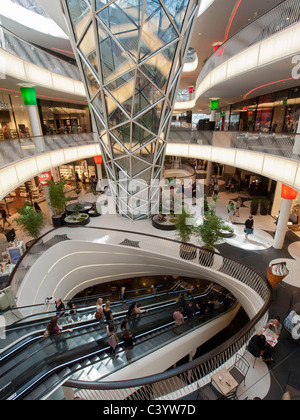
(274, 156)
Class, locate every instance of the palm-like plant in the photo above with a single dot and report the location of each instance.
(30, 221)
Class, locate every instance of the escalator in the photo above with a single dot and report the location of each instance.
(29, 371)
(24, 329)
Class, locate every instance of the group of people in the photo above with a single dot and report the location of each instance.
(233, 209)
(258, 345)
(132, 319)
(189, 308)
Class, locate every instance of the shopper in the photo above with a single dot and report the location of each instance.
(108, 313)
(37, 207)
(230, 209)
(249, 227)
(4, 219)
(128, 343)
(113, 341)
(60, 307)
(53, 331)
(275, 325)
(190, 311)
(179, 320)
(99, 309)
(237, 207)
(72, 311)
(216, 189)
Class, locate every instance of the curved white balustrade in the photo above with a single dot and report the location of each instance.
(95, 256)
(277, 168)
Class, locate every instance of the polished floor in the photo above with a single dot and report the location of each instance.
(265, 382)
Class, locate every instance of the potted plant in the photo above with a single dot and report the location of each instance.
(58, 202)
(254, 207)
(31, 221)
(210, 231)
(264, 207)
(78, 207)
(185, 228)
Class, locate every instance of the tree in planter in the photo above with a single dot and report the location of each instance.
(210, 231)
(185, 228)
(58, 200)
(254, 207)
(264, 207)
(30, 221)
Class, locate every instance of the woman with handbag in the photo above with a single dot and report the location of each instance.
(113, 341)
(99, 309)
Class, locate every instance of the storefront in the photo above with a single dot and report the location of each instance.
(64, 118)
(276, 112)
(56, 117)
(14, 118)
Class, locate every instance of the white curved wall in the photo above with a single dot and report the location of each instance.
(71, 266)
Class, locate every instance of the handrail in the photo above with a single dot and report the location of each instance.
(275, 20)
(31, 53)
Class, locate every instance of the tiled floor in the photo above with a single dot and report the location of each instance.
(264, 382)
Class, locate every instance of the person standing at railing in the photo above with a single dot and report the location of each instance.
(128, 343)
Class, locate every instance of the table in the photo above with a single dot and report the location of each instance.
(271, 337)
(224, 381)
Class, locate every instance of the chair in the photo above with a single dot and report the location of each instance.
(254, 350)
(208, 393)
(240, 369)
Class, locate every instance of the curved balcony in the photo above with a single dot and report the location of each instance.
(252, 49)
(276, 157)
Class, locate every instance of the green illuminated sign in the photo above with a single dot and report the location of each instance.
(214, 104)
(29, 95)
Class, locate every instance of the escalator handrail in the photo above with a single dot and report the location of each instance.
(144, 335)
(83, 324)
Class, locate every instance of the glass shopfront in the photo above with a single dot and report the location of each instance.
(64, 118)
(276, 112)
(56, 118)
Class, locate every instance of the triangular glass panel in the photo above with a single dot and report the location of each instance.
(117, 149)
(80, 15)
(158, 30)
(88, 48)
(114, 61)
(122, 133)
(138, 166)
(177, 9)
(145, 175)
(98, 104)
(146, 94)
(114, 114)
(101, 3)
(122, 90)
(147, 152)
(123, 18)
(91, 81)
(140, 136)
(158, 66)
(151, 119)
(124, 164)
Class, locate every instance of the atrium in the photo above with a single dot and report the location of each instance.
(149, 201)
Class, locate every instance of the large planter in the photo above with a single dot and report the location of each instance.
(206, 258)
(188, 252)
(166, 224)
(58, 221)
(80, 219)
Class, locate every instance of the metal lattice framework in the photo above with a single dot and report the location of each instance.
(131, 54)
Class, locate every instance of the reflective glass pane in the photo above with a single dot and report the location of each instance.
(88, 48)
(157, 29)
(158, 67)
(151, 119)
(139, 137)
(123, 135)
(146, 94)
(177, 9)
(147, 152)
(79, 15)
(113, 59)
(122, 90)
(90, 79)
(114, 114)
